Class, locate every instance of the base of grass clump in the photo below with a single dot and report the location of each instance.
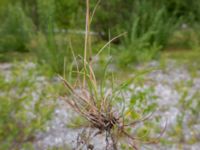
(102, 116)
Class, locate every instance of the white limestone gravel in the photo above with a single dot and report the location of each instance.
(168, 99)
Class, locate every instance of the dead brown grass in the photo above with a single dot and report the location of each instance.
(98, 109)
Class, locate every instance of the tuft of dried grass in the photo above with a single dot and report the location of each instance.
(97, 108)
(103, 116)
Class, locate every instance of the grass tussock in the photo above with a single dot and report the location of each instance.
(98, 106)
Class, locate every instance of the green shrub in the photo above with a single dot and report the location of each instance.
(193, 37)
(66, 13)
(16, 30)
(50, 48)
(51, 51)
(46, 13)
(25, 106)
(151, 28)
(112, 16)
(186, 9)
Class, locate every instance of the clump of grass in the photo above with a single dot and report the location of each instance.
(98, 105)
(101, 113)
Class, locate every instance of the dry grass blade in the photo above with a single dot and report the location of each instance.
(87, 30)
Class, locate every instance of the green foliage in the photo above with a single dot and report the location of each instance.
(66, 12)
(46, 14)
(149, 23)
(112, 16)
(143, 101)
(25, 107)
(192, 36)
(148, 34)
(187, 119)
(52, 51)
(16, 30)
(186, 9)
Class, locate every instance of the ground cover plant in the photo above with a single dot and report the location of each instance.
(25, 106)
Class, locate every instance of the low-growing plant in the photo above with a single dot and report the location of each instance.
(25, 106)
(184, 129)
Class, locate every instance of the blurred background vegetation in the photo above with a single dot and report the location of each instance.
(46, 28)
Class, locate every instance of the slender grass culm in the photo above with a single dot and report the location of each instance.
(98, 107)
